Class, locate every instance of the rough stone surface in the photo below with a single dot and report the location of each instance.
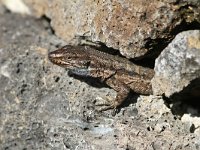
(192, 122)
(178, 65)
(132, 26)
(43, 108)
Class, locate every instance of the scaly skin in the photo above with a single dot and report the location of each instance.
(118, 73)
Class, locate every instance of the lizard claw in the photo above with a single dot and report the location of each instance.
(107, 104)
(108, 107)
(115, 111)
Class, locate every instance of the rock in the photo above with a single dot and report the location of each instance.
(179, 65)
(192, 122)
(134, 27)
(21, 6)
(41, 107)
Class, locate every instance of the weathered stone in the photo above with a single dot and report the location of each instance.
(132, 26)
(41, 107)
(178, 65)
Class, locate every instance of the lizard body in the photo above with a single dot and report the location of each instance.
(117, 72)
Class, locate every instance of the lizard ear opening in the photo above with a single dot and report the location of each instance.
(88, 63)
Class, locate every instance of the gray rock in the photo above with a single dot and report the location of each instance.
(178, 65)
(41, 107)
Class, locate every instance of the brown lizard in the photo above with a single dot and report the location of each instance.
(117, 72)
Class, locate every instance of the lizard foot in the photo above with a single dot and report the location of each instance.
(114, 112)
(107, 105)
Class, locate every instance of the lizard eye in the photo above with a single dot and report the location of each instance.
(69, 58)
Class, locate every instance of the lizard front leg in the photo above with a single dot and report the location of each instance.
(122, 93)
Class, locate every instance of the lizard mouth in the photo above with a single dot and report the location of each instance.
(57, 58)
(67, 61)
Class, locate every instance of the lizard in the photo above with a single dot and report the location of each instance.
(117, 72)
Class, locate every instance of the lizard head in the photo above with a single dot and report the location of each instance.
(70, 57)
